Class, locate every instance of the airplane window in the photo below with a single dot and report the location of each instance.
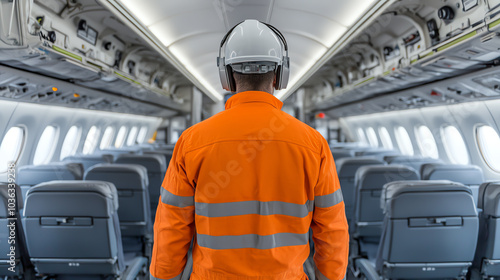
(107, 138)
(120, 138)
(46, 145)
(142, 134)
(386, 138)
(11, 147)
(91, 140)
(404, 141)
(132, 135)
(426, 142)
(372, 137)
(70, 144)
(489, 144)
(362, 137)
(454, 145)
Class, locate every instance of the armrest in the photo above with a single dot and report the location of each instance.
(134, 268)
(366, 268)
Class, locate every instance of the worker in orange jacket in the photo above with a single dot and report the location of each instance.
(249, 182)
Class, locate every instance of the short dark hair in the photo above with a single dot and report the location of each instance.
(254, 81)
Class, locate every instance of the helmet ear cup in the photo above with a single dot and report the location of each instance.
(223, 75)
(284, 73)
(230, 79)
(277, 86)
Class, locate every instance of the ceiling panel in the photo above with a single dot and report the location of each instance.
(192, 29)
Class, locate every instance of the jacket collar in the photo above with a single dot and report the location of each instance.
(253, 96)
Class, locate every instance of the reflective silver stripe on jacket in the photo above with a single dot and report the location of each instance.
(213, 210)
(329, 200)
(178, 277)
(176, 200)
(252, 241)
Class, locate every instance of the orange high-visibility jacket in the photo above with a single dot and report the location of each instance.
(248, 183)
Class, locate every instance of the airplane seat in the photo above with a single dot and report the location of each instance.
(377, 153)
(17, 259)
(89, 160)
(30, 175)
(72, 230)
(131, 182)
(115, 152)
(156, 167)
(366, 225)
(423, 223)
(415, 162)
(341, 153)
(165, 153)
(469, 175)
(487, 259)
(346, 171)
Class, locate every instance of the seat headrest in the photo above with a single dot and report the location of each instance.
(71, 198)
(347, 167)
(36, 174)
(88, 157)
(391, 188)
(5, 195)
(433, 198)
(489, 199)
(374, 177)
(465, 174)
(123, 176)
(153, 162)
(405, 159)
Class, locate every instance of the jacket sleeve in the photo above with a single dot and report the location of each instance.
(329, 224)
(174, 225)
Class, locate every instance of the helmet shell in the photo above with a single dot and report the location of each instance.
(252, 41)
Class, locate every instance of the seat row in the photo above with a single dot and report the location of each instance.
(406, 228)
(100, 227)
(432, 229)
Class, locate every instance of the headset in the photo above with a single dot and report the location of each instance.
(282, 71)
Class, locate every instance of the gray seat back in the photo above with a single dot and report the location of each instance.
(346, 170)
(488, 248)
(378, 153)
(72, 228)
(414, 162)
(369, 182)
(131, 182)
(30, 175)
(156, 166)
(469, 175)
(342, 153)
(430, 230)
(89, 160)
(10, 258)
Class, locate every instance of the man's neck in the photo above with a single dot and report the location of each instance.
(270, 91)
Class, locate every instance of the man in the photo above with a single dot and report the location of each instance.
(249, 182)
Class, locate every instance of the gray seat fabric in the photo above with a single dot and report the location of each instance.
(430, 230)
(156, 166)
(30, 175)
(346, 170)
(72, 228)
(414, 162)
(487, 258)
(342, 153)
(89, 160)
(165, 153)
(378, 153)
(131, 182)
(6, 229)
(369, 181)
(469, 175)
(115, 152)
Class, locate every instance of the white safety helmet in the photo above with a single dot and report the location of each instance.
(253, 47)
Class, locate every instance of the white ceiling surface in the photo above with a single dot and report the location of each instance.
(192, 29)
